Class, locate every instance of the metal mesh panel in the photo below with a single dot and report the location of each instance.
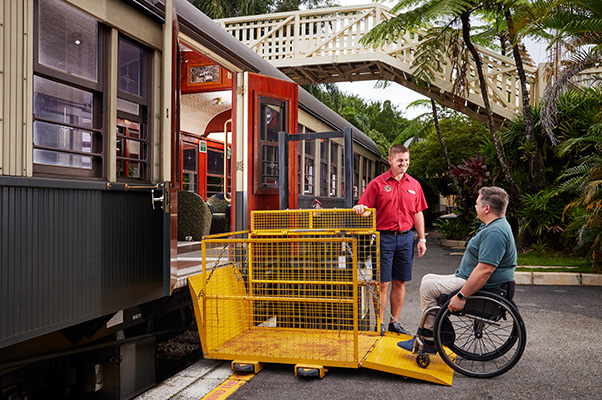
(289, 298)
(311, 220)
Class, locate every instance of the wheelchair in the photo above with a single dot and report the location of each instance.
(485, 339)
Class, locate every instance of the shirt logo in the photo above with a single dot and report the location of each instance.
(411, 191)
(388, 188)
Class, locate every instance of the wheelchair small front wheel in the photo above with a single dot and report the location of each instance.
(423, 360)
(485, 340)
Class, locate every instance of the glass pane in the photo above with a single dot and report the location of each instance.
(129, 169)
(215, 162)
(62, 103)
(68, 39)
(189, 182)
(61, 137)
(61, 159)
(130, 67)
(270, 165)
(271, 122)
(189, 157)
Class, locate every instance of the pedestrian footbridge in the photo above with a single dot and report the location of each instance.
(323, 46)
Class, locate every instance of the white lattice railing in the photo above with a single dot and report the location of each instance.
(333, 35)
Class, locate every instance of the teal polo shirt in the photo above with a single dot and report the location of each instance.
(492, 244)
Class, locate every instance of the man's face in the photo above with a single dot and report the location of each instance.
(399, 163)
(480, 208)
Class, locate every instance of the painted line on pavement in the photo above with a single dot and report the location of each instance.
(229, 386)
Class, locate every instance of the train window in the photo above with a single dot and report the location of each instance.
(71, 68)
(334, 173)
(215, 171)
(64, 134)
(130, 67)
(342, 174)
(365, 178)
(130, 152)
(324, 167)
(190, 160)
(356, 174)
(272, 119)
(68, 40)
(132, 137)
(67, 136)
(310, 155)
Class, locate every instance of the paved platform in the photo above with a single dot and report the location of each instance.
(193, 383)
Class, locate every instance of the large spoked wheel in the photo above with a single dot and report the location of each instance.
(486, 339)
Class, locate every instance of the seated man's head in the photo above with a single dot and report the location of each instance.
(491, 200)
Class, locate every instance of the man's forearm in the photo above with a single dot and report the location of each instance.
(477, 278)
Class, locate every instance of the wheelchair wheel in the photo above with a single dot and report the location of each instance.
(489, 336)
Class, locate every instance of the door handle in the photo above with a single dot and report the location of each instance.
(158, 186)
(159, 199)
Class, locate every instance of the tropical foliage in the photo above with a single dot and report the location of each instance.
(215, 9)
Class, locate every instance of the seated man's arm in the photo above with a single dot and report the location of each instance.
(478, 277)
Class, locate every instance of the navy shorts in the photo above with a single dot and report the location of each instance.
(396, 253)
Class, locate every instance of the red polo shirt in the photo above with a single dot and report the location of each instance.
(396, 203)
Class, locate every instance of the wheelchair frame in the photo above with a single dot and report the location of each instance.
(485, 339)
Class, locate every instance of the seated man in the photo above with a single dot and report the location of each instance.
(488, 262)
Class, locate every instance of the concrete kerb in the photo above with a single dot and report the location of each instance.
(557, 278)
(540, 278)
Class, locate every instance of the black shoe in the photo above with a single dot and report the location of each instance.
(382, 329)
(397, 328)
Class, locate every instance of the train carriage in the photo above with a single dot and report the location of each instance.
(112, 111)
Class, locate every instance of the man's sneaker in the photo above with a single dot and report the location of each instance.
(382, 329)
(409, 346)
(397, 328)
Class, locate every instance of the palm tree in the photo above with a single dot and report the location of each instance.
(538, 173)
(453, 37)
(576, 25)
(585, 181)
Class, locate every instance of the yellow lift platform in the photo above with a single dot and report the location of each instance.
(299, 289)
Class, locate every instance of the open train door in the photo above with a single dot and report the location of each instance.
(272, 108)
(170, 140)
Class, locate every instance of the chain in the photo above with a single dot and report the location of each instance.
(218, 265)
(371, 287)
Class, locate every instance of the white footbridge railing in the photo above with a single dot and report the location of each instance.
(323, 46)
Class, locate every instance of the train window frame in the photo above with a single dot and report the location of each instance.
(333, 171)
(262, 141)
(97, 89)
(324, 167)
(138, 113)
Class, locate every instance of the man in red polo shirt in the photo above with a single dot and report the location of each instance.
(399, 202)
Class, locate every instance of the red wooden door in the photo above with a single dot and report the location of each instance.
(273, 108)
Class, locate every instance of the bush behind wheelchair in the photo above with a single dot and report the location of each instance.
(485, 339)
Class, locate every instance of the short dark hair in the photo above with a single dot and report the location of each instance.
(494, 197)
(398, 148)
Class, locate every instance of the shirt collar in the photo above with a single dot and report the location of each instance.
(405, 176)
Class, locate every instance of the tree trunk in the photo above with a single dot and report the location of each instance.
(450, 167)
(513, 188)
(538, 172)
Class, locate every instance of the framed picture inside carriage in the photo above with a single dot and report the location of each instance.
(200, 77)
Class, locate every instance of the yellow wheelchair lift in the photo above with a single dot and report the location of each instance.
(298, 289)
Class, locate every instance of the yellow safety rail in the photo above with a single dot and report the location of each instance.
(311, 221)
(297, 289)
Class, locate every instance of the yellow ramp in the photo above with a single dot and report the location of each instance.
(388, 357)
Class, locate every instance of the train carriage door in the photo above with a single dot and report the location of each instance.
(273, 108)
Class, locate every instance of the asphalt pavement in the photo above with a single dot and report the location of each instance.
(562, 359)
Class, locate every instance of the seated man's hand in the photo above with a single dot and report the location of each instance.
(455, 304)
